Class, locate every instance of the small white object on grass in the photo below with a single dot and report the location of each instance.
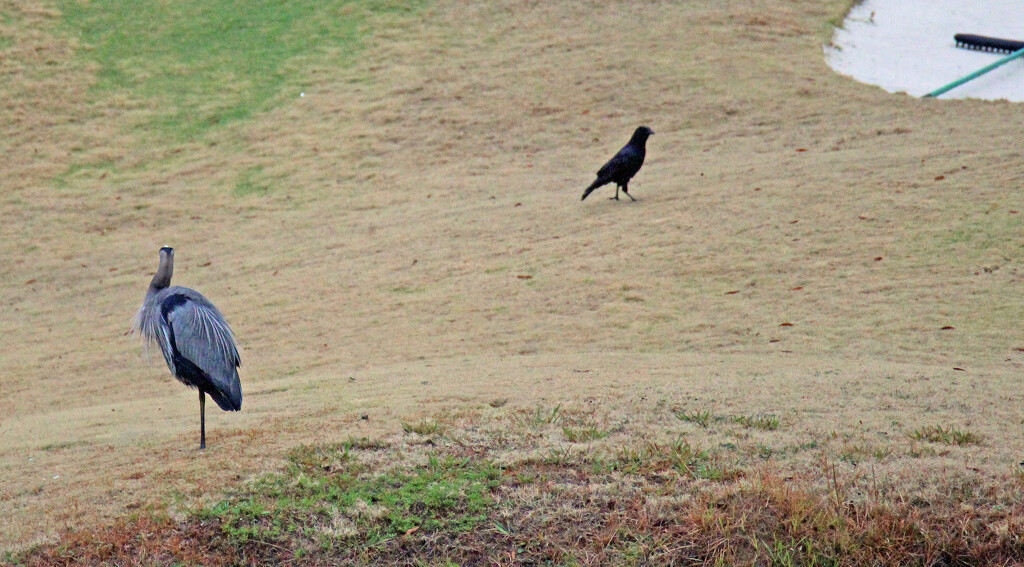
(302, 94)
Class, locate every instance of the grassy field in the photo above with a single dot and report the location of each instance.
(798, 347)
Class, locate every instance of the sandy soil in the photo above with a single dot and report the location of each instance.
(803, 245)
(909, 46)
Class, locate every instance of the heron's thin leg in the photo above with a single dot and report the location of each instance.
(202, 419)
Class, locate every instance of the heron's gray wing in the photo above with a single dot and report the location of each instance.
(153, 329)
(202, 336)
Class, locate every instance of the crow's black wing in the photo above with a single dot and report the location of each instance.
(623, 166)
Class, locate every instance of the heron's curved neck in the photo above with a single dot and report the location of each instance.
(162, 279)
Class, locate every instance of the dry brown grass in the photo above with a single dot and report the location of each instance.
(800, 244)
(622, 501)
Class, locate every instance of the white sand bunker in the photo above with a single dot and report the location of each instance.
(907, 46)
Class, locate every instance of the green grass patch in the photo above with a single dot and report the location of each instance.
(678, 455)
(329, 497)
(577, 426)
(61, 445)
(767, 422)
(701, 418)
(584, 433)
(540, 416)
(404, 289)
(94, 171)
(949, 435)
(200, 64)
(423, 427)
(252, 182)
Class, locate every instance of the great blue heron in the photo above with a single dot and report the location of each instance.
(194, 338)
(624, 165)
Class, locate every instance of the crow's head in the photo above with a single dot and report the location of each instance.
(641, 134)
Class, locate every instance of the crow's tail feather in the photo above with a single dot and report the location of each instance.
(597, 183)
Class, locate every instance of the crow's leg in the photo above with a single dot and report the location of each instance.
(625, 189)
(616, 197)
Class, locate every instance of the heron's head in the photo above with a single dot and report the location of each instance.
(162, 278)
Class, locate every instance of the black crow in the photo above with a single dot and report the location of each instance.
(624, 165)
